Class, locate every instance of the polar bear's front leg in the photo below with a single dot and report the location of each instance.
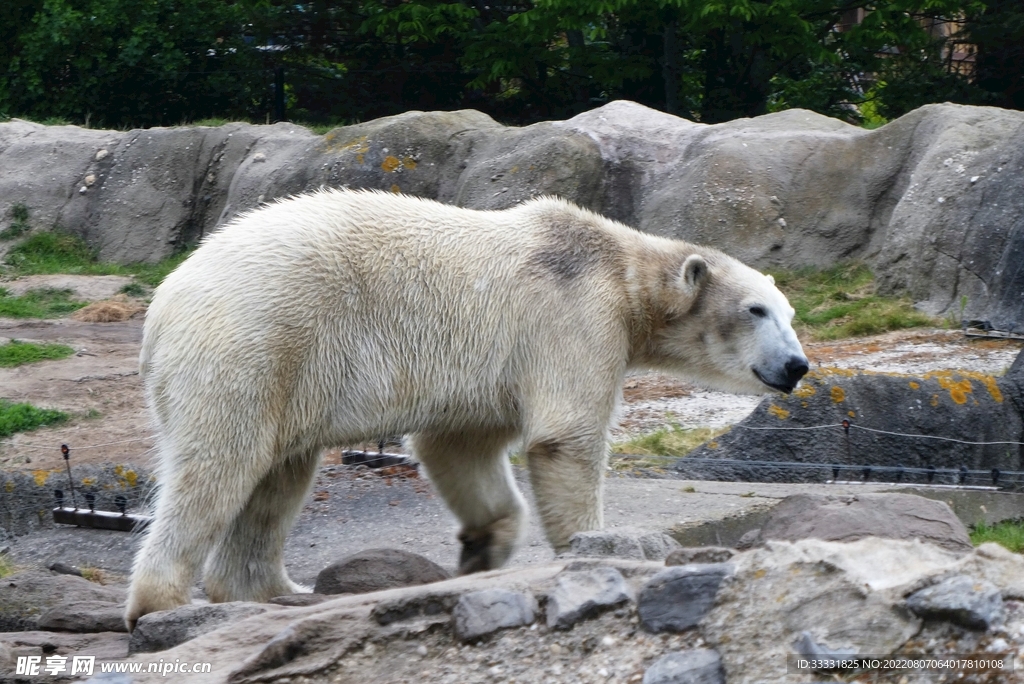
(567, 474)
(472, 473)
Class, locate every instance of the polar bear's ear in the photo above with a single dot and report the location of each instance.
(771, 278)
(693, 273)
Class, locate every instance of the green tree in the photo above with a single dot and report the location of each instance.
(126, 62)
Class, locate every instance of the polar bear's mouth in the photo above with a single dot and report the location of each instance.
(786, 389)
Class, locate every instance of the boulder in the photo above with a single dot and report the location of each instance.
(582, 594)
(957, 405)
(480, 613)
(377, 569)
(699, 666)
(84, 616)
(677, 598)
(966, 601)
(168, 628)
(848, 518)
(26, 595)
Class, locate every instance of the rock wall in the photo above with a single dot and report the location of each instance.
(932, 201)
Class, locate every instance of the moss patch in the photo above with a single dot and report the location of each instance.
(46, 302)
(16, 353)
(841, 302)
(24, 417)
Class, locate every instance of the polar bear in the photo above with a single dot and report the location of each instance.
(339, 316)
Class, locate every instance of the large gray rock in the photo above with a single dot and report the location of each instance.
(84, 616)
(479, 613)
(848, 518)
(581, 594)
(25, 596)
(933, 204)
(848, 597)
(959, 405)
(967, 601)
(377, 569)
(168, 628)
(677, 598)
(699, 666)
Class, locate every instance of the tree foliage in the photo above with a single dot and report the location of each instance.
(151, 62)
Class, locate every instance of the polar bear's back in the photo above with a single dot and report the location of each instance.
(428, 309)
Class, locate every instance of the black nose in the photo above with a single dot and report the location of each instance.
(796, 368)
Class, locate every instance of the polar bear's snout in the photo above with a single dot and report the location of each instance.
(786, 377)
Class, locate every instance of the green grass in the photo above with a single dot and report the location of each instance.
(655, 448)
(841, 302)
(1009, 533)
(133, 290)
(19, 223)
(44, 302)
(23, 417)
(51, 252)
(16, 353)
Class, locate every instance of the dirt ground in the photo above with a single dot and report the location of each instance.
(100, 386)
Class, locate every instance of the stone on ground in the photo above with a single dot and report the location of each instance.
(24, 596)
(168, 628)
(84, 616)
(848, 518)
(677, 598)
(580, 594)
(627, 543)
(377, 569)
(966, 601)
(479, 613)
(699, 666)
(699, 554)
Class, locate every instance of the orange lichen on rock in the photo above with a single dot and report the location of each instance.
(915, 385)
(838, 394)
(778, 412)
(805, 391)
(390, 164)
(959, 384)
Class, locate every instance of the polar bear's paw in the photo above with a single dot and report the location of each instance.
(489, 547)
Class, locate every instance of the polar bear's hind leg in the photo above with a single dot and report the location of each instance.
(248, 563)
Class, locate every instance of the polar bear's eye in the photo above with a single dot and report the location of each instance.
(759, 311)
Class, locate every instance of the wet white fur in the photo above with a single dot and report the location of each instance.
(338, 317)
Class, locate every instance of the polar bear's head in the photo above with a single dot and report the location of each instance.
(728, 327)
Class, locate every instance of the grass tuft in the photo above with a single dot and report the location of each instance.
(1009, 533)
(19, 223)
(841, 302)
(655, 448)
(45, 302)
(16, 353)
(24, 417)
